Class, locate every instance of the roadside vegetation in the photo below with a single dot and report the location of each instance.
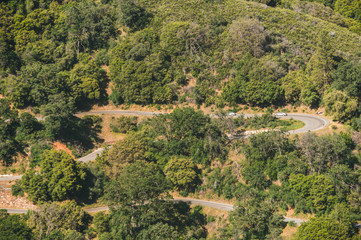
(188, 152)
(58, 58)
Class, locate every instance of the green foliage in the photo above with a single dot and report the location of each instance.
(16, 190)
(88, 82)
(93, 184)
(222, 182)
(140, 209)
(325, 151)
(247, 35)
(189, 133)
(255, 219)
(59, 178)
(347, 77)
(9, 144)
(340, 105)
(173, 38)
(51, 220)
(124, 124)
(131, 14)
(265, 147)
(182, 172)
(13, 227)
(293, 84)
(61, 124)
(316, 191)
(322, 228)
(137, 183)
(322, 62)
(349, 8)
(133, 148)
(256, 82)
(91, 25)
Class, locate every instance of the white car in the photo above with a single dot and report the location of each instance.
(281, 114)
(231, 114)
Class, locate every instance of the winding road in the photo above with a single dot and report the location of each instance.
(215, 205)
(312, 123)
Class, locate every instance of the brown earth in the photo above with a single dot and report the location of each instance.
(9, 201)
(62, 146)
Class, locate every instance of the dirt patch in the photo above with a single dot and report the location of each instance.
(220, 220)
(291, 214)
(106, 134)
(289, 232)
(61, 146)
(9, 201)
(204, 196)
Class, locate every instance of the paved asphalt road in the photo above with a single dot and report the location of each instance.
(312, 123)
(91, 156)
(9, 178)
(221, 206)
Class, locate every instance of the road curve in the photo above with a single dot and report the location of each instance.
(312, 122)
(90, 156)
(215, 205)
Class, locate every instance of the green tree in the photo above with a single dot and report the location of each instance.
(321, 63)
(124, 124)
(9, 122)
(29, 128)
(140, 206)
(88, 82)
(59, 118)
(131, 14)
(13, 227)
(143, 82)
(292, 84)
(189, 133)
(255, 219)
(132, 148)
(340, 105)
(173, 38)
(349, 8)
(51, 219)
(322, 228)
(325, 151)
(89, 25)
(347, 78)
(309, 95)
(182, 172)
(137, 183)
(247, 35)
(234, 91)
(314, 192)
(60, 178)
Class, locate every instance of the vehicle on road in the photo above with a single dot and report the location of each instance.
(280, 114)
(232, 114)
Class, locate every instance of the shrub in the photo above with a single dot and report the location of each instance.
(124, 124)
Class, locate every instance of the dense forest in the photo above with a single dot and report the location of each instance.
(58, 58)
(239, 52)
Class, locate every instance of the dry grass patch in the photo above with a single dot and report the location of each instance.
(289, 232)
(220, 219)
